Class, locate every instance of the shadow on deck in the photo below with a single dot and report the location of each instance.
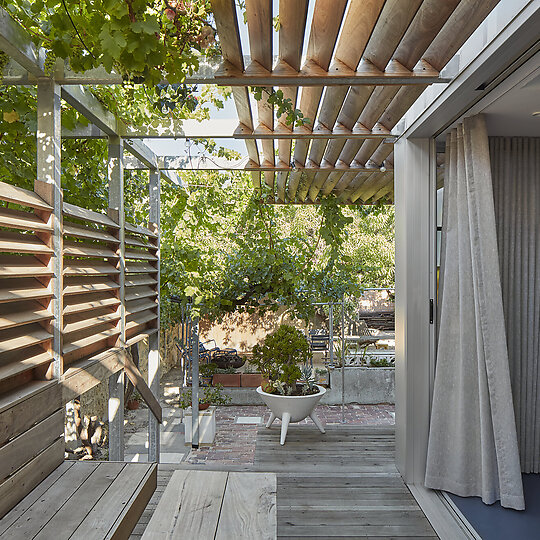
(341, 485)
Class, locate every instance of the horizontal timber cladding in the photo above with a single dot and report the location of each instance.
(31, 438)
(141, 282)
(91, 299)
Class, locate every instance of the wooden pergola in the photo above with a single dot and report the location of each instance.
(79, 287)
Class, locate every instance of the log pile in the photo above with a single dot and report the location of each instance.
(380, 320)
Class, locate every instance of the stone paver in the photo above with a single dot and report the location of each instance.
(235, 443)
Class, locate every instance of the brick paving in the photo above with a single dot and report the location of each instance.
(235, 443)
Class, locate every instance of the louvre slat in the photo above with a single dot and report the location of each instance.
(19, 338)
(20, 366)
(88, 215)
(143, 317)
(134, 281)
(18, 290)
(70, 229)
(139, 230)
(133, 241)
(22, 220)
(22, 313)
(91, 287)
(133, 254)
(22, 266)
(84, 267)
(87, 345)
(90, 322)
(80, 307)
(140, 267)
(136, 306)
(78, 249)
(22, 243)
(17, 195)
(137, 293)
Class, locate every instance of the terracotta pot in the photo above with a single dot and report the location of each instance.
(203, 406)
(132, 404)
(226, 379)
(251, 380)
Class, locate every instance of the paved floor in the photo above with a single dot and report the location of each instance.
(236, 432)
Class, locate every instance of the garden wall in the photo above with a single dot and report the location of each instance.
(363, 385)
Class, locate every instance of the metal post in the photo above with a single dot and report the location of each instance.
(48, 185)
(154, 339)
(331, 333)
(342, 361)
(195, 386)
(116, 212)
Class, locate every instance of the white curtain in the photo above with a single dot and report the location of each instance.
(472, 448)
(515, 166)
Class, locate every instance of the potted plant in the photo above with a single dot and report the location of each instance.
(210, 395)
(226, 377)
(206, 372)
(291, 392)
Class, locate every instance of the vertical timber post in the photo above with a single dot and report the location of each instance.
(154, 339)
(116, 381)
(48, 186)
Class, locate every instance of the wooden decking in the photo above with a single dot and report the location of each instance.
(340, 485)
(83, 500)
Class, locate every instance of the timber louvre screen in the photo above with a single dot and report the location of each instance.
(31, 415)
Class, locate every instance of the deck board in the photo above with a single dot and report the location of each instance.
(82, 500)
(339, 485)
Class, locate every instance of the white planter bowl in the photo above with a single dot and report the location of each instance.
(292, 409)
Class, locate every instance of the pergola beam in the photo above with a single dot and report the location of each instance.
(16, 43)
(106, 123)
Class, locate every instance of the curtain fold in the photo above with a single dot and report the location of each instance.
(472, 449)
(515, 166)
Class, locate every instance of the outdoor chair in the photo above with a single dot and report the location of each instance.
(319, 341)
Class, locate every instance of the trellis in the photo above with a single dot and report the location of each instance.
(78, 287)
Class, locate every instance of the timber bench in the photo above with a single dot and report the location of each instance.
(83, 500)
(216, 505)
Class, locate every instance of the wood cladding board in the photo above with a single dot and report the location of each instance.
(216, 505)
(24, 480)
(94, 501)
(21, 408)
